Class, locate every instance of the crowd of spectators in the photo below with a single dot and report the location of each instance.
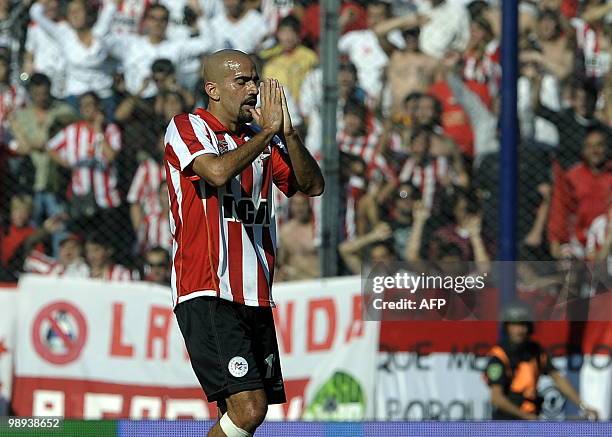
(87, 88)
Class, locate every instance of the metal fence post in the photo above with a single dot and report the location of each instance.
(509, 147)
(331, 157)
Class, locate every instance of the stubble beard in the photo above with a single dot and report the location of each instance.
(244, 116)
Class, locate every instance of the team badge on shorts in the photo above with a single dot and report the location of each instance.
(238, 367)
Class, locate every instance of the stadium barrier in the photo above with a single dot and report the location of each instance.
(94, 350)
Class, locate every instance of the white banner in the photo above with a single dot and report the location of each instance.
(450, 386)
(8, 299)
(96, 350)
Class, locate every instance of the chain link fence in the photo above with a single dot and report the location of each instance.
(87, 89)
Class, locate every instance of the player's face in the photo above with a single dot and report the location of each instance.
(517, 332)
(238, 92)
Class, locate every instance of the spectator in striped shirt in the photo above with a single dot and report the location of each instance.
(143, 195)
(69, 263)
(88, 148)
(155, 229)
(99, 256)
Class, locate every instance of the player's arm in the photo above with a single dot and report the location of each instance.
(500, 401)
(217, 170)
(307, 172)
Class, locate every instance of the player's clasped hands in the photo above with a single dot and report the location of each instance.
(270, 114)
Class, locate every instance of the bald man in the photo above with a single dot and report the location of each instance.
(220, 165)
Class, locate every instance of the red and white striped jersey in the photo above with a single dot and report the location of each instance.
(366, 146)
(145, 186)
(155, 231)
(80, 147)
(425, 177)
(11, 97)
(224, 237)
(38, 262)
(485, 67)
(117, 272)
(596, 61)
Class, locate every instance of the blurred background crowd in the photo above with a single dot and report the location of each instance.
(87, 88)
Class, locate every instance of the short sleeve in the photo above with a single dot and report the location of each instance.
(282, 171)
(495, 372)
(187, 137)
(58, 142)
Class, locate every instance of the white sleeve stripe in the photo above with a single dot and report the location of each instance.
(183, 154)
(202, 132)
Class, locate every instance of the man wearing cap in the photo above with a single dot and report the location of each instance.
(515, 366)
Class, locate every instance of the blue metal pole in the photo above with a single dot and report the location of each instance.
(508, 154)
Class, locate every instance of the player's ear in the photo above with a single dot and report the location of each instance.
(210, 88)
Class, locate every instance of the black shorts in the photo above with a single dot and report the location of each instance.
(232, 347)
